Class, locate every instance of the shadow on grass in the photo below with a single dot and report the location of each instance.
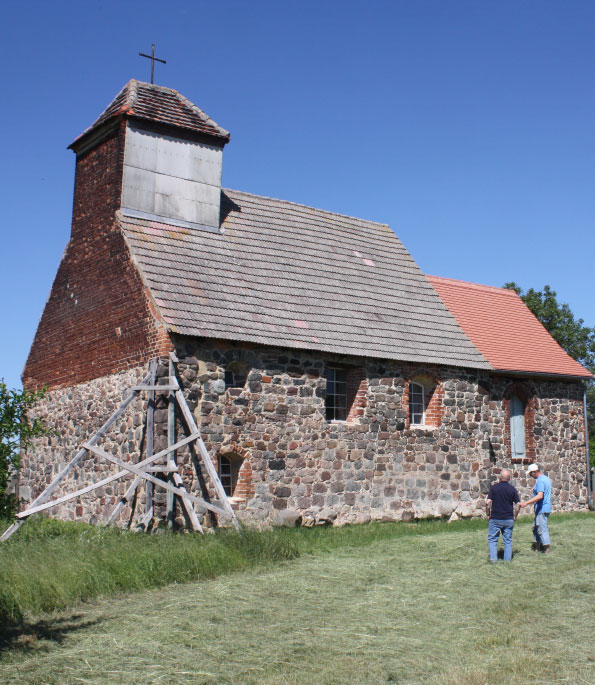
(27, 635)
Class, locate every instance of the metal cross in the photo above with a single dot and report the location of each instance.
(153, 60)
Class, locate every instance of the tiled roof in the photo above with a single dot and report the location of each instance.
(161, 105)
(284, 274)
(504, 329)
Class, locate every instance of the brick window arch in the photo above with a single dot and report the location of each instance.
(235, 472)
(346, 391)
(423, 401)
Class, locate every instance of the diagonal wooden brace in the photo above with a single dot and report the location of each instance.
(47, 493)
(105, 481)
(161, 483)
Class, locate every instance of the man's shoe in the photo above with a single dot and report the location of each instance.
(545, 549)
(536, 546)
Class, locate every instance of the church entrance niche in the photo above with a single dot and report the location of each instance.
(517, 427)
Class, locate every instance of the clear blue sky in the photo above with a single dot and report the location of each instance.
(467, 126)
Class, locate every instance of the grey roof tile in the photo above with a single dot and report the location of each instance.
(160, 105)
(285, 274)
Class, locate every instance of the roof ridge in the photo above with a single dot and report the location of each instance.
(147, 101)
(200, 112)
(470, 284)
(132, 86)
(299, 204)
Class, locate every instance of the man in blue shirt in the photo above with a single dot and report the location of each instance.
(542, 501)
(503, 506)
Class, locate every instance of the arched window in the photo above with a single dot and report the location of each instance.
(417, 404)
(229, 469)
(425, 398)
(517, 427)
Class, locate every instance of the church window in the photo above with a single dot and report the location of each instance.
(417, 407)
(336, 394)
(235, 375)
(517, 427)
(346, 389)
(229, 469)
(425, 401)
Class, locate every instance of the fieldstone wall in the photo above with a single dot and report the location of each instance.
(73, 414)
(296, 463)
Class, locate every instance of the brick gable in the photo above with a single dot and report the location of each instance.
(99, 318)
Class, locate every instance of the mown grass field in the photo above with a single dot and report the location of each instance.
(374, 605)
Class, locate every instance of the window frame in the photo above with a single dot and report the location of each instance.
(416, 384)
(335, 407)
(520, 436)
(229, 481)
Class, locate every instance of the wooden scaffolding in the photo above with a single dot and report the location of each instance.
(148, 469)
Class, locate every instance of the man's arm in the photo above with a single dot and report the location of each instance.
(537, 497)
(488, 507)
(517, 508)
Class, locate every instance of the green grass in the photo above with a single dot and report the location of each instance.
(408, 603)
(51, 564)
(382, 603)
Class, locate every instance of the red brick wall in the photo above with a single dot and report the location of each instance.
(357, 392)
(99, 318)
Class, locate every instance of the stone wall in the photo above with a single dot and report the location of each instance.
(375, 465)
(73, 415)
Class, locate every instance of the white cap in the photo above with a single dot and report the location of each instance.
(531, 468)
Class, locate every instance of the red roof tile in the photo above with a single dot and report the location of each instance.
(504, 329)
(159, 104)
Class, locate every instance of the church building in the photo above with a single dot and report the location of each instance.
(331, 380)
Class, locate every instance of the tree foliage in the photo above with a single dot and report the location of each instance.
(17, 431)
(571, 334)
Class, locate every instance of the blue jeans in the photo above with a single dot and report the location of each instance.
(541, 534)
(495, 527)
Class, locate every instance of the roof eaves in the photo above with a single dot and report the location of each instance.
(543, 374)
(222, 132)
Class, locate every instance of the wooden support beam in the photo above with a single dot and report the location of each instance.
(211, 470)
(171, 438)
(172, 462)
(150, 432)
(124, 500)
(152, 388)
(161, 483)
(177, 479)
(47, 493)
(105, 481)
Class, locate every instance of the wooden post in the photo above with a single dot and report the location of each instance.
(161, 483)
(175, 476)
(124, 500)
(171, 438)
(150, 432)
